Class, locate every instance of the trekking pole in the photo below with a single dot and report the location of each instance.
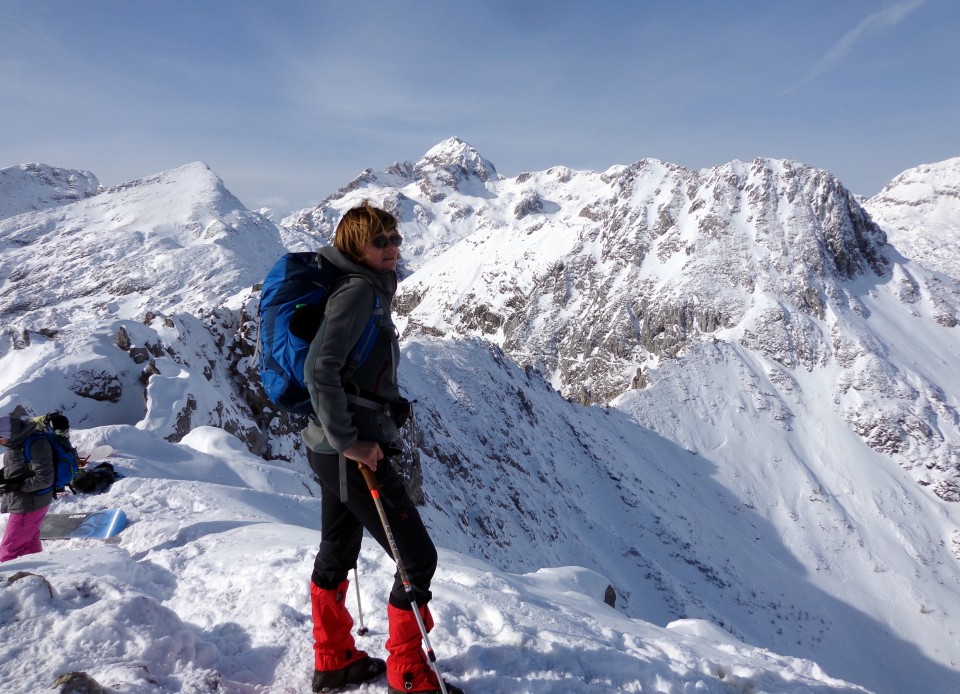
(362, 631)
(407, 586)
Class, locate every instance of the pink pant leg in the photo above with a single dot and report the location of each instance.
(22, 534)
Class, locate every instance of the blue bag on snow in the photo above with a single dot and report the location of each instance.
(292, 301)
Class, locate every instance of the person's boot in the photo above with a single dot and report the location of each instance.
(408, 668)
(337, 661)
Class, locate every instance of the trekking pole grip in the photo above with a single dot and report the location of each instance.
(369, 476)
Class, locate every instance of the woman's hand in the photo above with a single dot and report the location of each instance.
(365, 452)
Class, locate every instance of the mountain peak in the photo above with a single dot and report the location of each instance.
(174, 240)
(923, 183)
(452, 145)
(198, 175)
(453, 155)
(919, 210)
(195, 184)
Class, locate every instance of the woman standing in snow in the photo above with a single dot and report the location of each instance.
(27, 469)
(355, 423)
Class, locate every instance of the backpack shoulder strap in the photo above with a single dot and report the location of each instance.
(371, 330)
(32, 439)
(373, 285)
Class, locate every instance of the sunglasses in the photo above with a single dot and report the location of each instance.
(382, 242)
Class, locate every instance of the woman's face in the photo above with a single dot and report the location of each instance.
(382, 252)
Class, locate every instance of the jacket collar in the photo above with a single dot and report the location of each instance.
(386, 282)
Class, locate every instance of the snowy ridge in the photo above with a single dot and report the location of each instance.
(920, 209)
(31, 187)
(177, 241)
(778, 382)
(145, 268)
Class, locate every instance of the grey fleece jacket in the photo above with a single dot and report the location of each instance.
(15, 463)
(337, 425)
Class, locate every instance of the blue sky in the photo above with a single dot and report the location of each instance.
(287, 100)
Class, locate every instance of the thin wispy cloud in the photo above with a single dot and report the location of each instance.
(877, 22)
(291, 103)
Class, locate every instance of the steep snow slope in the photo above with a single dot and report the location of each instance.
(760, 513)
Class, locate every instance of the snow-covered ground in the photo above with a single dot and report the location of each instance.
(207, 590)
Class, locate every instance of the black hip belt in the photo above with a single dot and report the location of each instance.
(368, 404)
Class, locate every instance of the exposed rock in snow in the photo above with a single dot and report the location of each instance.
(596, 279)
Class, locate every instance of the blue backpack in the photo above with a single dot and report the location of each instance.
(65, 459)
(292, 302)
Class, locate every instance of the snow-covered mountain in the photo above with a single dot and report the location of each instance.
(920, 210)
(714, 390)
(38, 186)
(596, 280)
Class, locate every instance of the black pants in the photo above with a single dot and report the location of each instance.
(342, 528)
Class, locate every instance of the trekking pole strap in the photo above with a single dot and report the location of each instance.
(344, 495)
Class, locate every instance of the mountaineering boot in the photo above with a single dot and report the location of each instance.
(408, 668)
(337, 661)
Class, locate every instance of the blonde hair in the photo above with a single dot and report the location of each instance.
(359, 225)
